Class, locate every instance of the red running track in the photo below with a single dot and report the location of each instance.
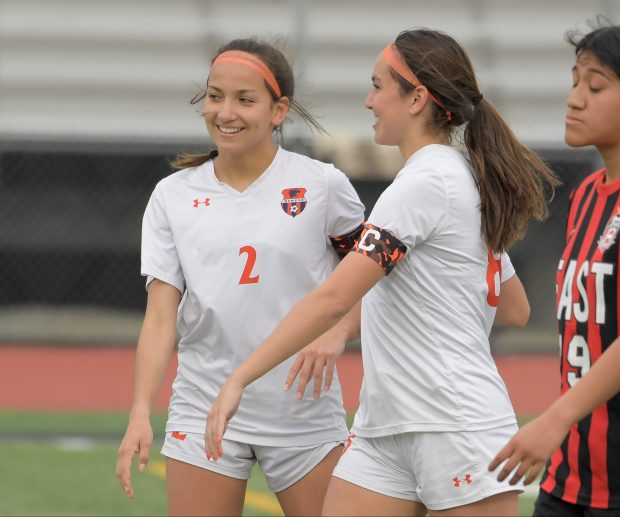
(100, 378)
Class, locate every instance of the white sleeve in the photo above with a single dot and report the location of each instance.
(159, 254)
(508, 270)
(345, 211)
(412, 208)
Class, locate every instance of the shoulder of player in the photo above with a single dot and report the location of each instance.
(176, 179)
(584, 186)
(435, 162)
(430, 179)
(591, 178)
(302, 164)
(419, 175)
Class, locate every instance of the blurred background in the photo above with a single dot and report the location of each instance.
(94, 101)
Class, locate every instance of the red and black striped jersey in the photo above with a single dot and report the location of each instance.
(585, 470)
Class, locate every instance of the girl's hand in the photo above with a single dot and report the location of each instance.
(318, 356)
(223, 409)
(529, 449)
(137, 440)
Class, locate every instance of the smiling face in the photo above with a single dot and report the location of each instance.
(239, 110)
(593, 116)
(389, 106)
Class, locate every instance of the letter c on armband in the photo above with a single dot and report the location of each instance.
(362, 243)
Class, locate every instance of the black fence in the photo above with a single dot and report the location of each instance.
(70, 221)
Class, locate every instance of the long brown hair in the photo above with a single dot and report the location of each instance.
(282, 71)
(512, 180)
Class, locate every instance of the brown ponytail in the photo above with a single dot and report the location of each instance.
(187, 160)
(514, 183)
(511, 179)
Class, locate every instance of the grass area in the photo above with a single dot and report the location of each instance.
(49, 479)
(65, 478)
(62, 463)
(43, 474)
(96, 424)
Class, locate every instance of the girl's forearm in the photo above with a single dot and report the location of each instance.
(313, 315)
(306, 321)
(597, 386)
(155, 346)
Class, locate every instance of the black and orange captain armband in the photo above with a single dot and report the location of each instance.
(345, 243)
(381, 246)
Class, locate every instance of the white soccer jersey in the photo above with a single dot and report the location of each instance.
(242, 260)
(427, 363)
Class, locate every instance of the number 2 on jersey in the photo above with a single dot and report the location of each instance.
(246, 276)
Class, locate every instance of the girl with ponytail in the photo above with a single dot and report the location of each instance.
(433, 408)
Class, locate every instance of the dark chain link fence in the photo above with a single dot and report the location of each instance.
(70, 226)
(70, 222)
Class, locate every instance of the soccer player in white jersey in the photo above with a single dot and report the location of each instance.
(433, 408)
(231, 242)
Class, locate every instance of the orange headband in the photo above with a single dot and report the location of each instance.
(250, 60)
(396, 61)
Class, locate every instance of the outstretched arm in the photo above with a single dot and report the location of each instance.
(533, 445)
(320, 310)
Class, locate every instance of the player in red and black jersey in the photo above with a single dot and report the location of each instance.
(581, 431)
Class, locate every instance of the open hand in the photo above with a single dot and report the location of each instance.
(318, 357)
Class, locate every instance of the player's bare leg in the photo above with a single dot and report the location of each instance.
(306, 496)
(346, 499)
(196, 491)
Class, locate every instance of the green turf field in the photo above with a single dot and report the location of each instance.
(62, 464)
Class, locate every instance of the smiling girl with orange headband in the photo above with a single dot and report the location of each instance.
(229, 243)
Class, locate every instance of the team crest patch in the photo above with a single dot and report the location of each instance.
(611, 232)
(293, 201)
